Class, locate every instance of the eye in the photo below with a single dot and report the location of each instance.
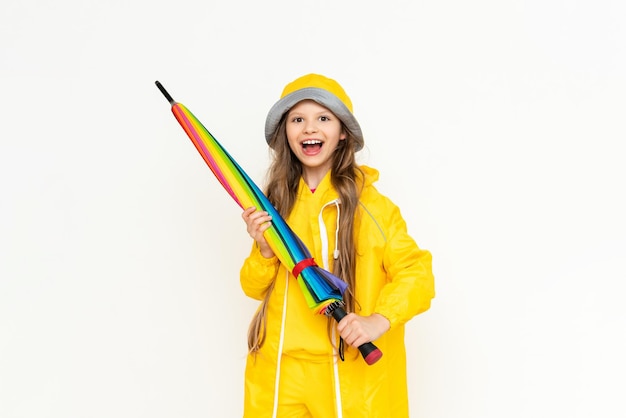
(297, 119)
(324, 118)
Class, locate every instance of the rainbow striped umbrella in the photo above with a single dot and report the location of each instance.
(322, 290)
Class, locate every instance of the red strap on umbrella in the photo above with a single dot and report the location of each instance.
(301, 265)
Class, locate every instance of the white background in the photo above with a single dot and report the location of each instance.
(498, 128)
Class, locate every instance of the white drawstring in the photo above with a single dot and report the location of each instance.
(325, 263)
(280, 348)
(336, 373)
(324, 234)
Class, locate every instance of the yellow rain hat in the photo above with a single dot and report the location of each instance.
(323, 90)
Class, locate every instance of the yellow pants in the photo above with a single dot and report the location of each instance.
(307, 387)
(306, 390)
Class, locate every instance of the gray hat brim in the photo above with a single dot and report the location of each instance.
(320, 96)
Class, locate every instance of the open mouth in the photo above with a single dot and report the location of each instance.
(312, 146)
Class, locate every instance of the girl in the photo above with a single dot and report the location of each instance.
(293, 368)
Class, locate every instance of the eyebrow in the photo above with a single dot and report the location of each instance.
(324, 113)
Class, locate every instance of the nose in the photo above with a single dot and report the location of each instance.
(310, 126)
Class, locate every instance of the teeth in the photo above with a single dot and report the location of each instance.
(311, 142)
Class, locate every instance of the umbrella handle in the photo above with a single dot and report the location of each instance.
(371, 354)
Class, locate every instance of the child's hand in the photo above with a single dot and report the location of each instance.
(257, 222)
(357, 330)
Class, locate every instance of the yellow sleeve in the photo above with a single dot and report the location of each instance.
(410, 286)
(257, 273)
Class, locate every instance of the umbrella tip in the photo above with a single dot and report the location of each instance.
(165, 93)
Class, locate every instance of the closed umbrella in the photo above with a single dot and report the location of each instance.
(322, 290)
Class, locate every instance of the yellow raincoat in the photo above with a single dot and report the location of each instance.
(394, 279)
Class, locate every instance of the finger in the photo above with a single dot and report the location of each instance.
(347, 322)
(246, 213)
(357, 342)
(262, 221)
(249, 210)
(257, 215)
(355, 336)
(353, 339)
(341, 325)
(349, 333)
(265, 226)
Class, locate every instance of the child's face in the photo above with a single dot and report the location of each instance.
(313, 133)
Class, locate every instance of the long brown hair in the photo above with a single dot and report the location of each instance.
(282, 187)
